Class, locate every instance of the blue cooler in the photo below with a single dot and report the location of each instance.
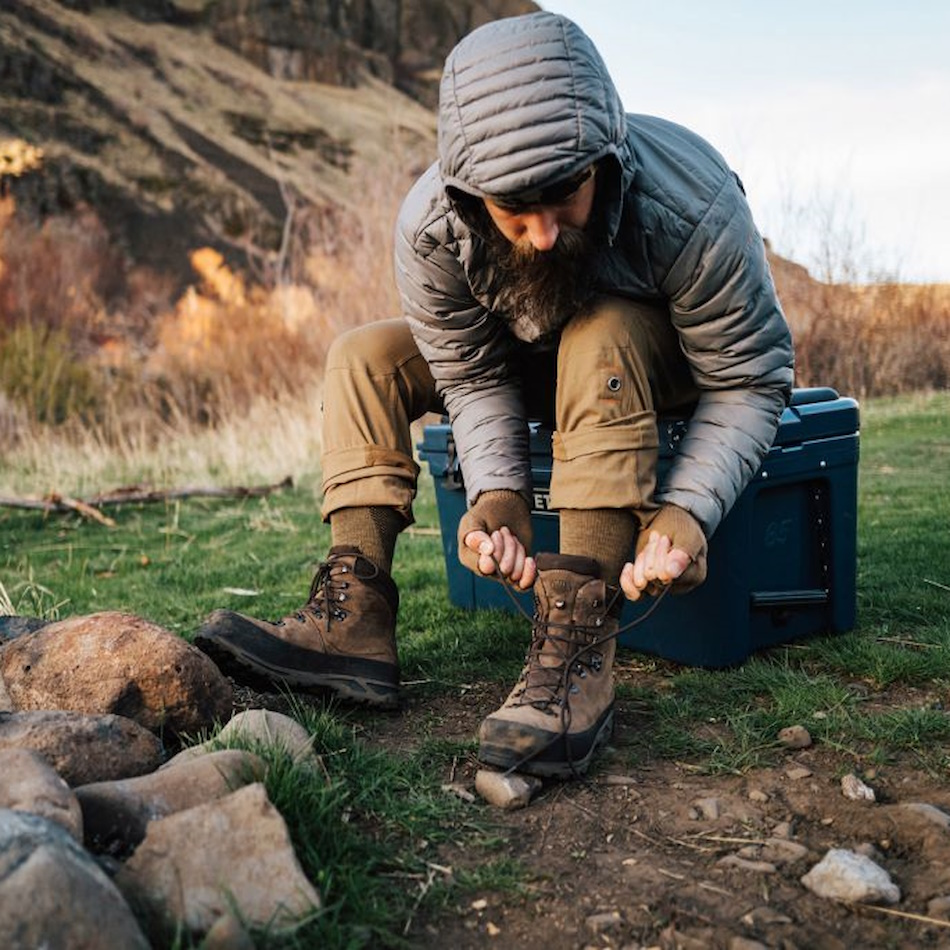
(782, 564)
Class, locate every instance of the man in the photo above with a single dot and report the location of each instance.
(561, 258)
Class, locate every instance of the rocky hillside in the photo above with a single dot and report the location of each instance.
(199, 122)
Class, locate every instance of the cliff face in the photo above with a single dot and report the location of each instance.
(189, 122)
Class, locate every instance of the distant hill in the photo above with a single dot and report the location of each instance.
(190, 122)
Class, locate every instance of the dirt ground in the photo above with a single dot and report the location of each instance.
(663, 856)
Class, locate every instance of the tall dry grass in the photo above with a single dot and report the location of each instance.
(107, 380)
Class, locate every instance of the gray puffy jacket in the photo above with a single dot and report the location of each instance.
(528, 101)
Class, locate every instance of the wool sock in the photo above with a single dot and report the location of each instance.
(604, 534)
(373, 530)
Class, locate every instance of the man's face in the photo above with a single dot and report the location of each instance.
(538, 225)
(542, 249)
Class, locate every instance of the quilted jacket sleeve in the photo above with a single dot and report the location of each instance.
(723, 303)
(466, 348)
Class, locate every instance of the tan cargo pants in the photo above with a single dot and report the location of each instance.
(617, 366)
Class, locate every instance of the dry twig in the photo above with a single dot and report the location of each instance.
(134, 494)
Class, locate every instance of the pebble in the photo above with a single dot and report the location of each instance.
(797, 772)
(709, 808)
(845, 876)
(853, 788)
(603, 923)
(758, 796)
(508, 792)
(764, 917)
(795, 737)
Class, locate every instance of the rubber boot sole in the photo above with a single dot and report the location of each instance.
(519, 748)
(275, 662)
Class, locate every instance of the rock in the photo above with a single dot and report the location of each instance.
(31, 785)
(930, 812)
(758, 796)
(505, 791)
(83, 748)
(797, 772)
(795, 737)
(939, 907)
(53, 894)
(232, 855)
(12, 627)
(852, 787)
(116, 663)
(846, 876)
(258, 727)
(117, 813)
(604, 923)
(709, 808)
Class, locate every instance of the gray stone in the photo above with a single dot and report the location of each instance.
(232, 855)
(83, 748)
(508, 792)
(13, 627)
(782, 851)
(116, 814)
(846, 876)
(853, 788)
(53, 894)
(117, 663)
(254, 727)
(31, 785)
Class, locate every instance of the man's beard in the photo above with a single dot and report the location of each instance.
(540, 291)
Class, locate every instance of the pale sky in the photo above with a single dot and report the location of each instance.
(835, 114)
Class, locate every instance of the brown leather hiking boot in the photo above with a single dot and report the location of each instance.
(561, 708)
(343, 639)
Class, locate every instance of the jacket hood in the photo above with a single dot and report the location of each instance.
(525, 102)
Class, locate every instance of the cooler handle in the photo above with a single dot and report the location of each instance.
(770, 599)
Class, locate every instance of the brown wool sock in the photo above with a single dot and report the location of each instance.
(372, 530)
(604, 534)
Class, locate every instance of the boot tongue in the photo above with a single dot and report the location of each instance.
(575, 563)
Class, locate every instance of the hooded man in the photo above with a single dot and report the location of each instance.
(561, 260)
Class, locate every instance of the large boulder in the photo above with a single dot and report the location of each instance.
(83, 748)
(233, 854)
(118, 663)
(53, 893)
(116, 814)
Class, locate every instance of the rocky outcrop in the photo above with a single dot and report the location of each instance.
(186, 123)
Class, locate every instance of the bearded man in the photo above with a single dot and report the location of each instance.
(561, 260)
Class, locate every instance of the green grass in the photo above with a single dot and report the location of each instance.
(370, 831)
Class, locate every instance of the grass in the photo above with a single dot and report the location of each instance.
(371, 832)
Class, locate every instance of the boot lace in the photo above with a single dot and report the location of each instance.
(328, 591)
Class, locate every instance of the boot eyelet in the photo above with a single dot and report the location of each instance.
(560, 604)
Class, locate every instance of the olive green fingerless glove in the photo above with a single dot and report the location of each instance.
(685, 533)
(491, 511)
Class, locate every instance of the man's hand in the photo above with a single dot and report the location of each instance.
(497, 529)
(671, 550)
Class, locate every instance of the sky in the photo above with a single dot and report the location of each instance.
(834, 113)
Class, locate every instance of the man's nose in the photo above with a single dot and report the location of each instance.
(542, 229)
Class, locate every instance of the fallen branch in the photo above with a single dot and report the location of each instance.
(134, 494)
